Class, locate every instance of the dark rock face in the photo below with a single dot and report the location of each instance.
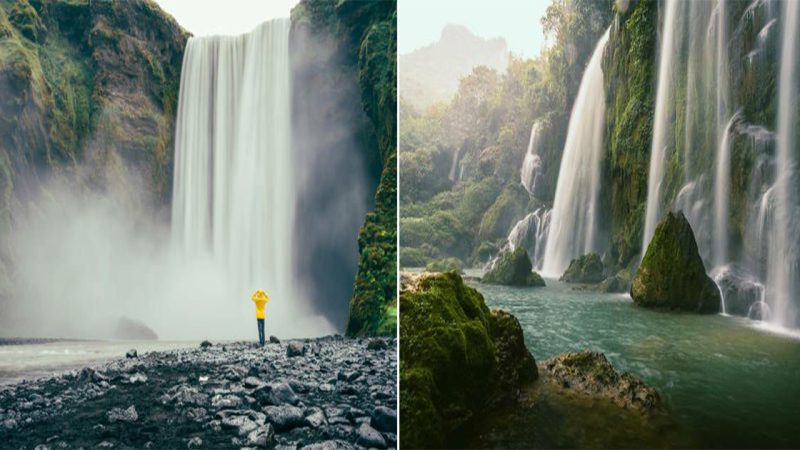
(243, 397)
(453, 346)
(591, 374)
(585, 269)
(133, 330)
(672, 274)
(514, 269)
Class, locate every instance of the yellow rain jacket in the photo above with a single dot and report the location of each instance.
(260, 298)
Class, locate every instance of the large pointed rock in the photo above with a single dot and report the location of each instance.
(672, 274)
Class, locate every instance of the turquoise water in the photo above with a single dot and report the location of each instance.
(727, 381)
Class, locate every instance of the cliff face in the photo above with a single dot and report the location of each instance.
(91, 84)
(361, 39)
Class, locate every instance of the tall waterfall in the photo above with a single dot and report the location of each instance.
(784, 251)
(717, 159)
(662, 120)
(234, 190)
(532, 164)
(573, 226)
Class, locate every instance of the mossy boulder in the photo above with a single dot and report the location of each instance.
(672, 274)
(444, 265)
(585, 269)
(513, 269)
(457, 359)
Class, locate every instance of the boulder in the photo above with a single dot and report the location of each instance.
(123, 415)
(590, 373)
(384, 419)
(368, 437)
(205, 344)
(133, 330)
(672, 274)
(285, 417)
(513, 269)
(295, 348)
(377, 344)
(739, 290)
(586, 269)
(620, 282)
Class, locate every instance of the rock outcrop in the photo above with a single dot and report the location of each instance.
(514, 269)
(672, 274)
(458, 359)
(584, 269)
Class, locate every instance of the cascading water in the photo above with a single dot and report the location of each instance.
(658, 150)
(784, 251)
(573, 229)
(531, 233)
(722, 194)
(234, 190)
(532, 163)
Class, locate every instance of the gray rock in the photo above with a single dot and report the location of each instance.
(253, 383)
(195, 442)
(377, 344)
(283, 393)
(369, 437)
(205, 344)
(316, 419)
(137, 378)
(261, 437)
(123, 415)
(284, 417)
(274, 340)
(329, 445)
(295, 348)
(105, 444)
(226, 401)
(384, 419)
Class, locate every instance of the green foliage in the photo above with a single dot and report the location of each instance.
(504, 213)
(442, 230)
(412, 257)
(424, 174)
(514, 269)
(444, 265)
(456, 359)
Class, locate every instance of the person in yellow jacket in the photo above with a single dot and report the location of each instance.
(260, 298)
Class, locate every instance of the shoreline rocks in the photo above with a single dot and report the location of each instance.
(239, 396)
(672, 274)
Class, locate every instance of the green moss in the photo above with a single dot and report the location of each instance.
(584, 269)
(444, 265)
(513, 269)
(507, 210)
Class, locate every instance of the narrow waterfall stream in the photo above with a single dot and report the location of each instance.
(574, 227)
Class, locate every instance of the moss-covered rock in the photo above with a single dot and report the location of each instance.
(672, 274)
(584, 269)
(513, 269)
(456, 359)
(619, 282)
(444, 265)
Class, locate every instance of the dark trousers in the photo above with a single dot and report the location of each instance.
(261, 331)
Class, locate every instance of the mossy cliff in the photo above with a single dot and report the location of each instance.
(457, 359)
(89, 92)
(672, 274)
(365, 36)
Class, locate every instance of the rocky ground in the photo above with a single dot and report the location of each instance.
(324, 393)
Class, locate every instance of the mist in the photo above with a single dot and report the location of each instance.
(81, 261)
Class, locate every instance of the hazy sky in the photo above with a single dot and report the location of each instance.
(420, 22)
(207, 17)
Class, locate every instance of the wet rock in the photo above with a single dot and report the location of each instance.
(137, 378)
(366, 436)
(205, 344)
(377, 344)
(514, 269)
(584, 269)
(253, 383)
(187, 395)
(123, 415)
(274, 340)
(316, 419)
(194, 442)
(262, 437)
(284, 417)
(330, 445)
(740, 290)
(131, 354)
(591, 374)
(672, 274)
(295, 348)
(226, 401)
(384, 419)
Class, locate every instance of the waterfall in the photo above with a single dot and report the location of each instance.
(783, 252)
(532, 163)
(574, 224)
(530, 233)
(662, 121)
(722, 186)
(233, 191)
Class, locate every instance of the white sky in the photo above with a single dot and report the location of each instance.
(420, 22)
(209, 17)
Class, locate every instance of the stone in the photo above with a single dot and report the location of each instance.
(195, 442)
(205, 344)
(377, 344)
(122, 415)
(284, 417)
(295, 348)
(336, 444)
(366, 436)
(672, 274)
(253, 383)
(137, 378)
(274, 340)
(513, 269)
(384, 419)
(586, 269)
(131, 354)
(316, 419)
(262, 437)
(226, 401)
(739, 289)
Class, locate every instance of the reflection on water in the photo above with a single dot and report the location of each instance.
(30, 361)
(727, 379)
